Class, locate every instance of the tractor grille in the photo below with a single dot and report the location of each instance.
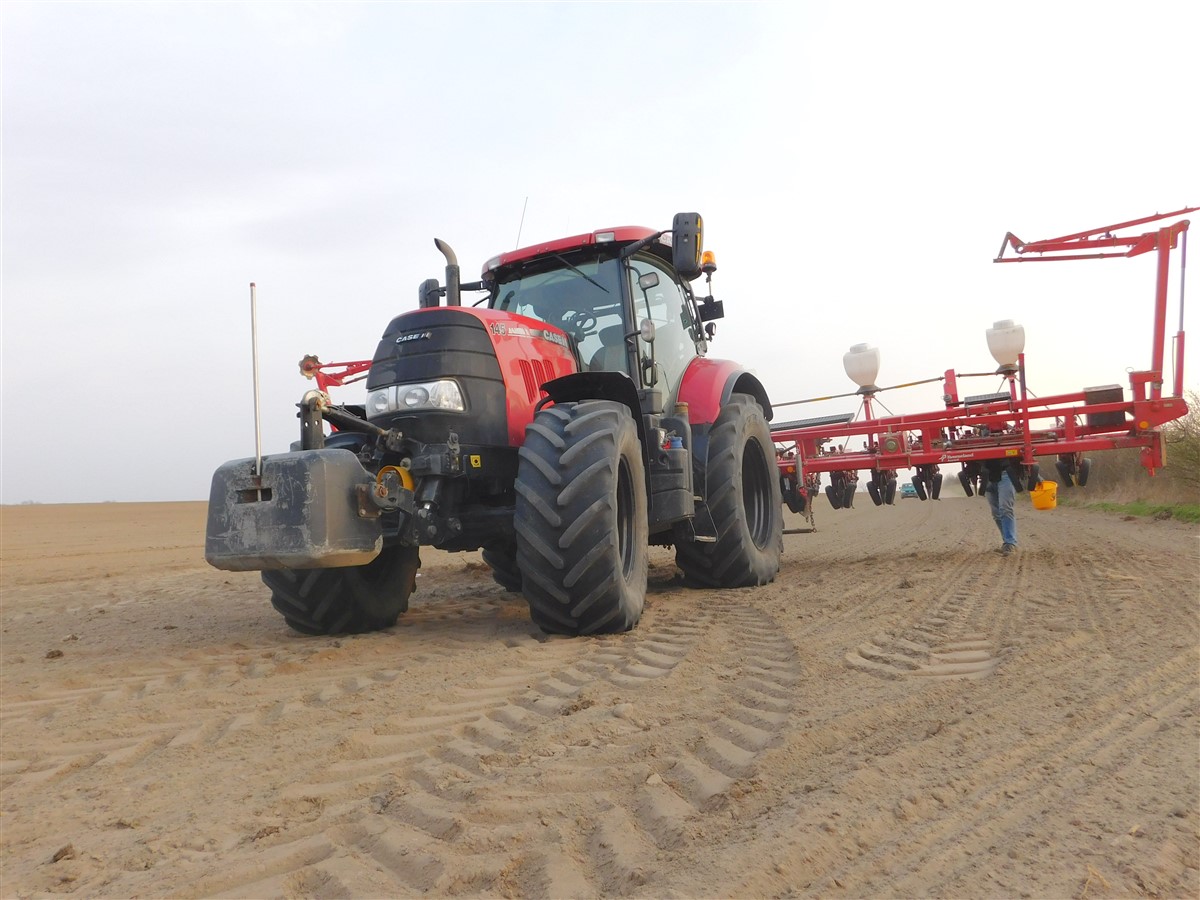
(536, 372)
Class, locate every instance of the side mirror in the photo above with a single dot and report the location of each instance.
(687, 243)
(647, 281)
(429, 293)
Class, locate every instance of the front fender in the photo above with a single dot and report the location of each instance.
(615, 386)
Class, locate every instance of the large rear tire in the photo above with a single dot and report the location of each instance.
(581, 519)
(742, 502)
(347, 600)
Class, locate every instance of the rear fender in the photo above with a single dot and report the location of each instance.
(708, 383)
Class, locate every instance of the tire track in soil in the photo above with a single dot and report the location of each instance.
(849, 843)
(695, 768)
(945, 556)
(882, 740)
(277, 685)
(562, 794)
(158, 695)
(964, 635)
(1019, 787)
(424, 774)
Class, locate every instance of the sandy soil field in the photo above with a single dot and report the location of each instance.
(903, 713)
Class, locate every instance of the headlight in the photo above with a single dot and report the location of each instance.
(444, 395)
(415, 397)
(379, 402)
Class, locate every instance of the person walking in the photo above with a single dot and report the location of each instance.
(1004, 480)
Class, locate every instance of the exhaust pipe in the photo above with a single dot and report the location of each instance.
(453, 292)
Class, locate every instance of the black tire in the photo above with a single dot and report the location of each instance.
(1085, 469)
(935, 487)
(889, 492)
(347, 600)
(848, 496)
(1065, 478)
(791, 496)
(502, 558)
(919, 485)
(964, 478)
(741, 500)
(873, 490)
(581, 519)
(835, 496)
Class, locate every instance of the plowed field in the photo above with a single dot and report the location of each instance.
(904, 712)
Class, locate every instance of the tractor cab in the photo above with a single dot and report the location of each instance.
(621, 296)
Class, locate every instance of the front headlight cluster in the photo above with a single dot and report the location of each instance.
(443, 395)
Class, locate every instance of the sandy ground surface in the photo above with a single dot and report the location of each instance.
(903, 713)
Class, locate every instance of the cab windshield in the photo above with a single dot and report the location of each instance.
(580, 293)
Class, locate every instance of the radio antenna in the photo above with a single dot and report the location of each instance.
(254, 356)
(521, 227)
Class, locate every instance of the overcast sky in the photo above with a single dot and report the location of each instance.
(857, 166)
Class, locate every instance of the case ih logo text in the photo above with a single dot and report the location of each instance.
(502, 328)
(414, 336)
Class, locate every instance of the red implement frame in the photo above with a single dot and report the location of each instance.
(333, 374)
(1010, 423)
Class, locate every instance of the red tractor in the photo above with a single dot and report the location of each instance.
(562, 423)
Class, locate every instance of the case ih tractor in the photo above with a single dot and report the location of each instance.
(562, 423)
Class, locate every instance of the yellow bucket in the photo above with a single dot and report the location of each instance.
(1045, 495)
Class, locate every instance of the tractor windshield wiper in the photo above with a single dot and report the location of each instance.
(579, 272)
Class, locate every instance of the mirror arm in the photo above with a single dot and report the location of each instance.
(633, 248)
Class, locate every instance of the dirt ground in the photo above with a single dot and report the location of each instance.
(903, 713)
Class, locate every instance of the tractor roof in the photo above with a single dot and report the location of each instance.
(624, 234)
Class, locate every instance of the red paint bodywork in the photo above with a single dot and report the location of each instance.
(523, 357)
(705, 385)
(622, 235)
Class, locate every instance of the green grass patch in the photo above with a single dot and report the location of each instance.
(1183, 512)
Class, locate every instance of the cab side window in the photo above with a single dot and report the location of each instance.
(664, 305)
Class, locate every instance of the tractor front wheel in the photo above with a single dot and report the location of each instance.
(347, 600)
(581, 519)
(502, 558)
(741, 502)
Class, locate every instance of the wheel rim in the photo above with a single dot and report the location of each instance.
(756, 494)
(625, 513)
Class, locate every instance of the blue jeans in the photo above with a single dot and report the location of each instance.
(1001, 497)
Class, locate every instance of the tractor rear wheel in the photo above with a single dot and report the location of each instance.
(581, 519)
(741, 501)
(347, 600)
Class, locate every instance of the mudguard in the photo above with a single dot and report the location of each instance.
(707, 384)
(301, 513)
